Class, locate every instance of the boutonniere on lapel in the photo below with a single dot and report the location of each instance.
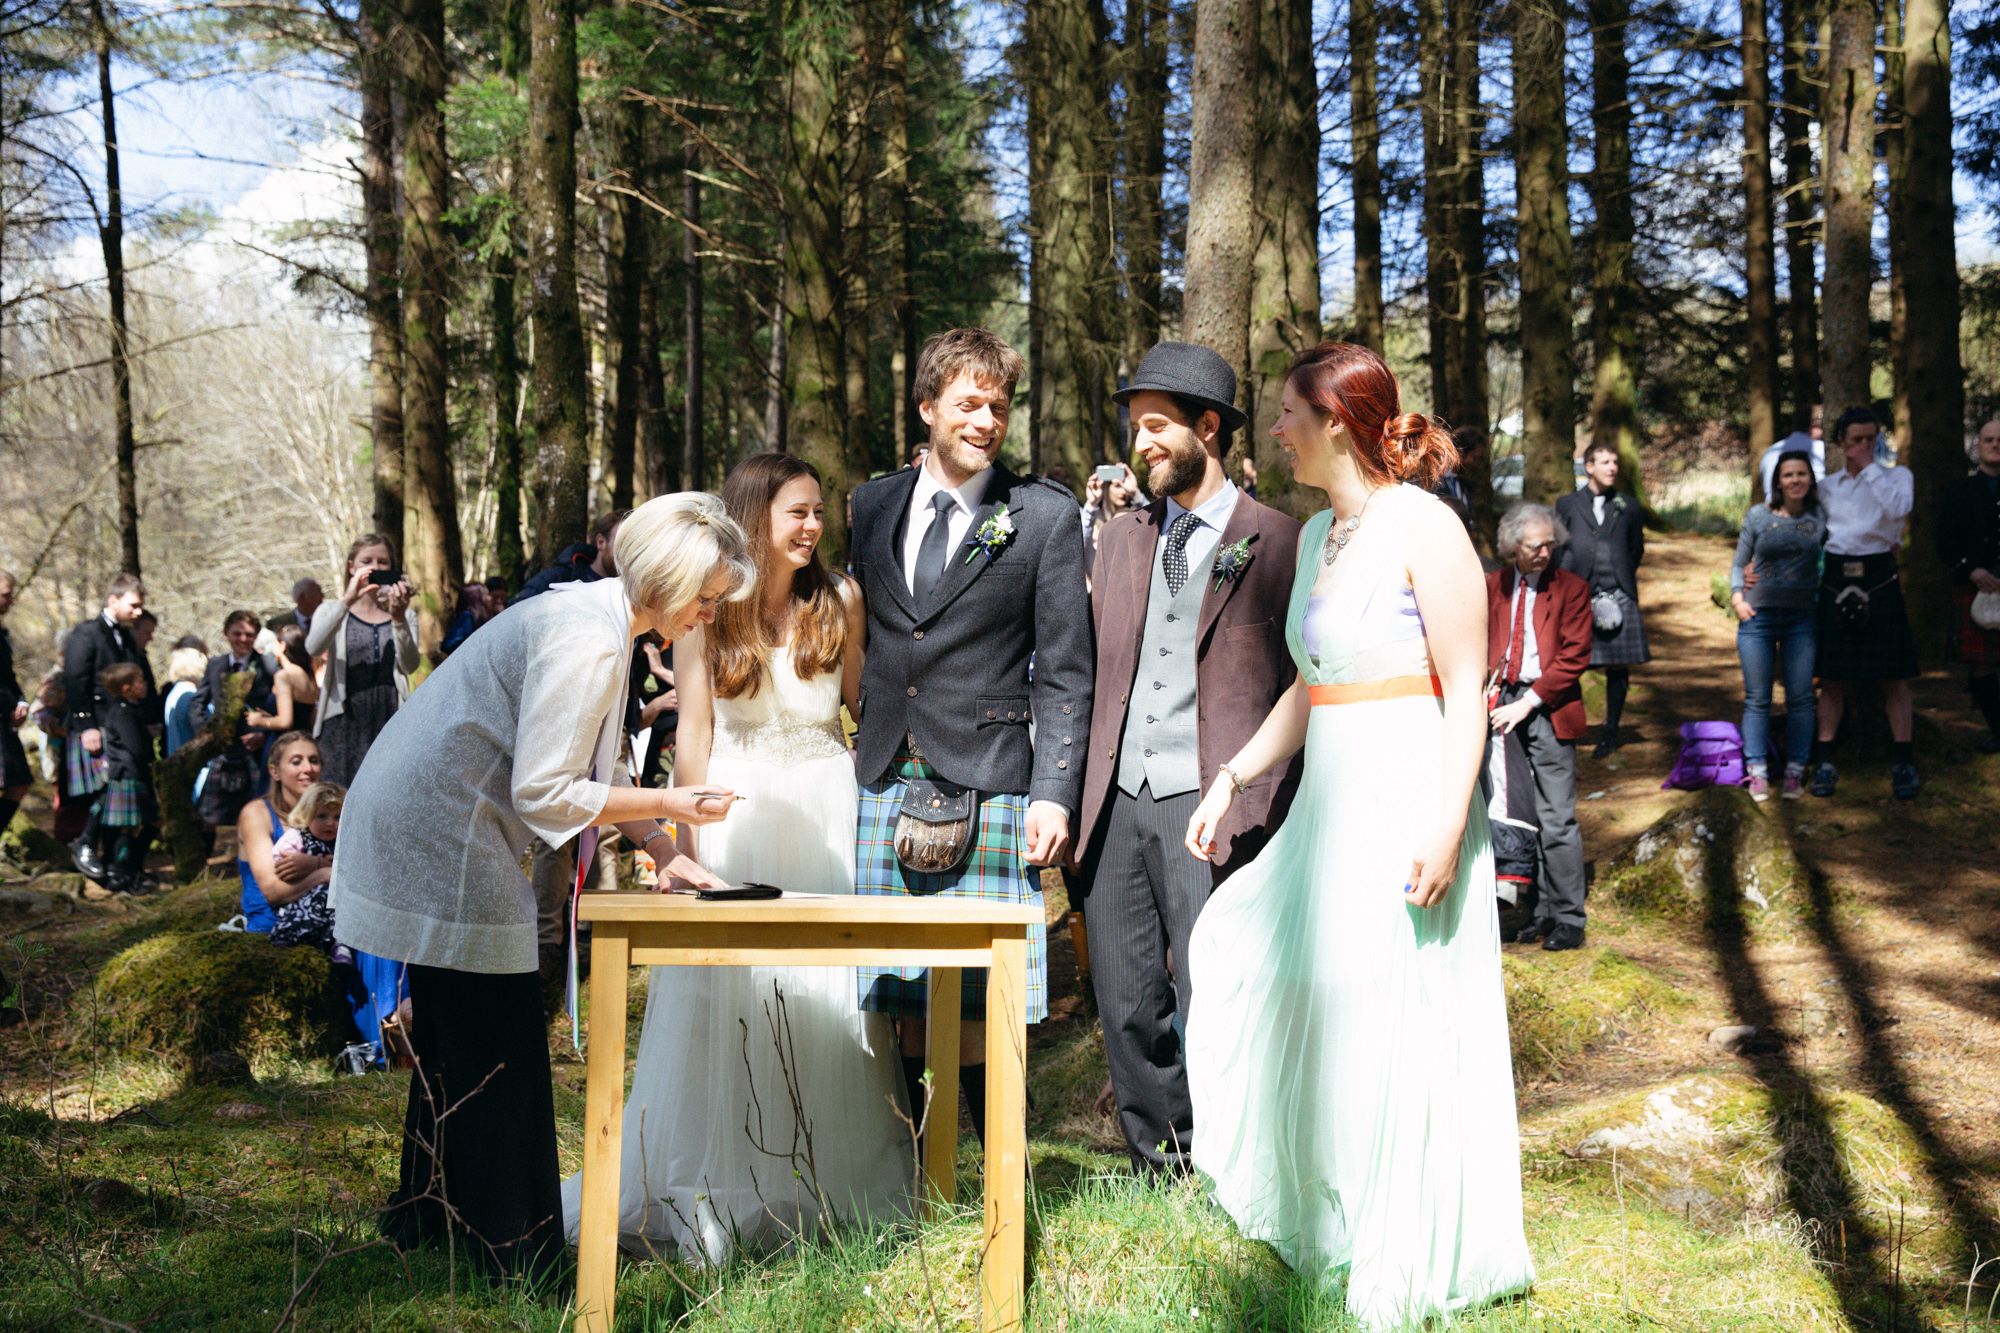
(1231, 561)
(992, 536)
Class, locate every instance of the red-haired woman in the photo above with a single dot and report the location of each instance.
(1347, 1051)
(760, 696)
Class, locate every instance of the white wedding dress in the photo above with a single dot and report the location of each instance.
(716, 1152)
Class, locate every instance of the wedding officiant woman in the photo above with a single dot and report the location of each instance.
(514, 738)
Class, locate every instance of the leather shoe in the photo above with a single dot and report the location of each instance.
(1563, 937)
(86, 859)
(1529, 934)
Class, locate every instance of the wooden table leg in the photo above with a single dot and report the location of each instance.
(603, 1124)
(941, 1057)
(1003, 1275)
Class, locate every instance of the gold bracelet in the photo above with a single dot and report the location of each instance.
(1234, 780)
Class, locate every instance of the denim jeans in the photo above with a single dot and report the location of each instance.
(1760, 641)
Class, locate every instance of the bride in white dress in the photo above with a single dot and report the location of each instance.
(762, 1097)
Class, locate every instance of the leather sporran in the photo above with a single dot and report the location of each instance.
(935, 826)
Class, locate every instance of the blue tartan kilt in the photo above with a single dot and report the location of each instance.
(84, 773)
(994, 871)
(126, 803)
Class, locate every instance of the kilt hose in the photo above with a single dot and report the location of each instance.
(994, 870)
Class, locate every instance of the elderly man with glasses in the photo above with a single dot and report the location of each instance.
(1538, 630)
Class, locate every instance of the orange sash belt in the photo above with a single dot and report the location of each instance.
(1368, 691)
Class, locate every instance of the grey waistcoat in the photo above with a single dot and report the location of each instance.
(1161, 742)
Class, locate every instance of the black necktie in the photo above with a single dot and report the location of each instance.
(1176, 556)
(932, 549)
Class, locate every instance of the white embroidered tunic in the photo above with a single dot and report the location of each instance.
(498, 747)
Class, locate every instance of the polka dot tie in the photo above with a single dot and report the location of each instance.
(1176, 556)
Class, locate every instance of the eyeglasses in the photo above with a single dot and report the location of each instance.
(1532, 547)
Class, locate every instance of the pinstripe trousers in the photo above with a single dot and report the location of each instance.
(1142, 907)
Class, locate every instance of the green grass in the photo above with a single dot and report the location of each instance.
(1710, 502)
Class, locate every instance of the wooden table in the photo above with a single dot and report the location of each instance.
(946, 935)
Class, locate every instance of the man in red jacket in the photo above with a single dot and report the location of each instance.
(1537, 648)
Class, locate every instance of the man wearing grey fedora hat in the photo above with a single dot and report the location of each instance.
(1189, 602)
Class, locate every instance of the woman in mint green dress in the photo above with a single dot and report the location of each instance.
(1347, 1052)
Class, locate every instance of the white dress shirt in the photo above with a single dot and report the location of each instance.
(1531, 651)
(958, 518)
(1865, 513)
(1214, 514)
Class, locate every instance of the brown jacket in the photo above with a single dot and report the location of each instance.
(1242, 661)
(1562, 640)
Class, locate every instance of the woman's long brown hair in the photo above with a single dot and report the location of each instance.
(738, 642)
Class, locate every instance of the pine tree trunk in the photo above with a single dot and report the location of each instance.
(659, 450)
(1795, 119)
(1284, 273)
(1145, 155)
(111, 236)
(1468, 237)
(902, 248)
(382, 246)
(431, 541)
(562, 406)
(860, 170)
(1436, 106)
(1071, 216)
(1895, 142)
(1365, 134)
(1541, 189)
(509, 555)
(694, 466)
(1614, 297)
(1222, 176)
(629, 259)
(1847, 128)
(1760, 262)
(819, 41)
(1933, 442)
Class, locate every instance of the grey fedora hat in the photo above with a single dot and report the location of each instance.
(1188, 371)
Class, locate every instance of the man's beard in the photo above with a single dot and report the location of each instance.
(1177, 472)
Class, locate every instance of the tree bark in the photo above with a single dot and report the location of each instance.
(1365, 134)
(111, 237)
(1454, 206)
(1934, 440)
(509, 555)
(431, 540)
(562, 407)
(1795, 120)
(1541, 188)
(1895, 141)
(1222, 174)
(1614, 297)
(1760, 261)
(902, 249)
(1070, 214)
(1847, 128)
(1284, 271)
(659, 451)
(382, 245)
(1145, 151)
(628, 260)
(694, 466)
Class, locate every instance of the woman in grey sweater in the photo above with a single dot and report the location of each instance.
(514, 738)
(1774, 587)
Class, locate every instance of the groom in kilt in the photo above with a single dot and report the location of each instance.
(972, 575)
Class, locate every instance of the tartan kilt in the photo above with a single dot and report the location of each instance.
(84, 773)
(1970, 643)
(1884, 648)
(126, 803)
(994, 870)
(1627, 647)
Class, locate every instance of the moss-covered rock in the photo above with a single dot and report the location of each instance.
(1560, 1004)
(199, 997)
(26, 845)
(1715, 848)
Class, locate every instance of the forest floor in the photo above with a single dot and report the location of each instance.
(1842, 1171)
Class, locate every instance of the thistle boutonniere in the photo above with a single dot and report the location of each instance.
(1231, 561)
(992, 536)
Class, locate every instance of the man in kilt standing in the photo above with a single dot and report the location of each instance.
(971, 574)
(1864, 630)
(1968, 537)
(92, 648)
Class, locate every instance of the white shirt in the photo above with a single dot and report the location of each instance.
(1865, 513)
(1797, 442)
(1531, 652)
(958, 518)
(1214, 514)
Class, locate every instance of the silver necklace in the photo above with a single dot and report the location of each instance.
(1340, 534)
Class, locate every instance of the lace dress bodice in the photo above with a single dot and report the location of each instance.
(1366, 625)
(785, 720)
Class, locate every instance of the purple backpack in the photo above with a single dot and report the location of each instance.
(1711, 756)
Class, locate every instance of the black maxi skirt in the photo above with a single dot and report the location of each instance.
(479, 1137)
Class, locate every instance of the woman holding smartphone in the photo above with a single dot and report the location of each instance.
(369, 634)
(721, 1104)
